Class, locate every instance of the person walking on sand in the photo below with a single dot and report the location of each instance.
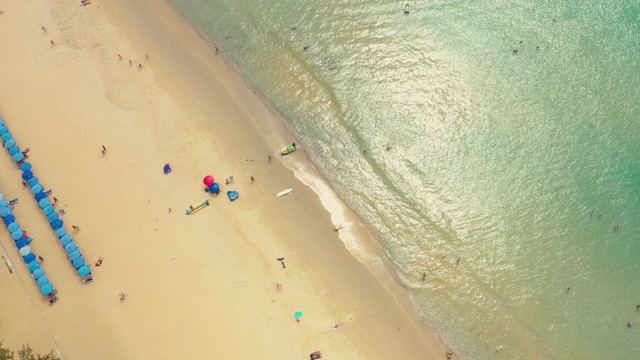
(40, 258)
(24, 183)
(458, 261)
(424, 276)
(252, 179)
(104, 150)
(146, 56)
(278, 287)
(44, 31)
(120, 57)
(140, 66)
(338, 228)
(99, 262)
(52, 43)
(269, 158)
(122, 296)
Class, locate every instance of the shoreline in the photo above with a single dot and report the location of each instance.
(124, 132)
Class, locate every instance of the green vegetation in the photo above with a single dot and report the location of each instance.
(25, 354)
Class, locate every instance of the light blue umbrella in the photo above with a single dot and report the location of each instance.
(6, 136)
(74, 255)
(60, 231)
(84, 270)
(43, 203)
(48, 210)
(46, 289)
(33, 265)
(38, 273)
(25, 166)
(43, 280)
(13, 150)
(36, 188)
(24, 251)
(52, 217)
(18, 157)
(3, 204)
(17, 235)
(65, 239)
(5, 212)
(3, 130)
(9, 144)
(14, 226)
(70, 247)
(77, 263)
(32, 182)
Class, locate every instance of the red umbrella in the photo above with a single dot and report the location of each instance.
(208, 180)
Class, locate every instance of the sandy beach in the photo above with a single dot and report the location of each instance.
(198, 286)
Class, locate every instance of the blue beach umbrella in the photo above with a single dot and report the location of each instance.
(25, 166)
(5, 212)
(25, 250)
(77, 263)
(13, 150)
(3, 204)
(52, 217)
(57, 224)
(9, 144)
(39, 196)
(74, 255)
(48, 210)
(3, 129)
(70, 247)
(33, 266)
(9, 219)
(43, 203)
(84, 270)
(17, 235)
(42, 280)
(6, 136)
(35, 188)
(46, 289)
(65, 239)
(27, 175)
(21, 243)
(38, 273)
(14, 226)
(298, 315)
(29, 258)
(32, 182)
(61, 232)
(18, 157)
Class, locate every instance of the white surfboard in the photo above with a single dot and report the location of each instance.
(285, 192)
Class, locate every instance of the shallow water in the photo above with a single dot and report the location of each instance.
(472, 151)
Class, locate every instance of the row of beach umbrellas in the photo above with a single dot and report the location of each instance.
(40, 196)
(22, 243)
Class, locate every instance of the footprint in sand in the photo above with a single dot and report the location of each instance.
(242, 283)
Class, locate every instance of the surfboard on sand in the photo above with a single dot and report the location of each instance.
(285, 192)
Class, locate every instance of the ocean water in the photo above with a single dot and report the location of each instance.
(448, 144)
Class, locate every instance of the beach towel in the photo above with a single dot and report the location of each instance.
(167, 168)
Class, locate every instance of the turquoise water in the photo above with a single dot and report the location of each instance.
(447, 144)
